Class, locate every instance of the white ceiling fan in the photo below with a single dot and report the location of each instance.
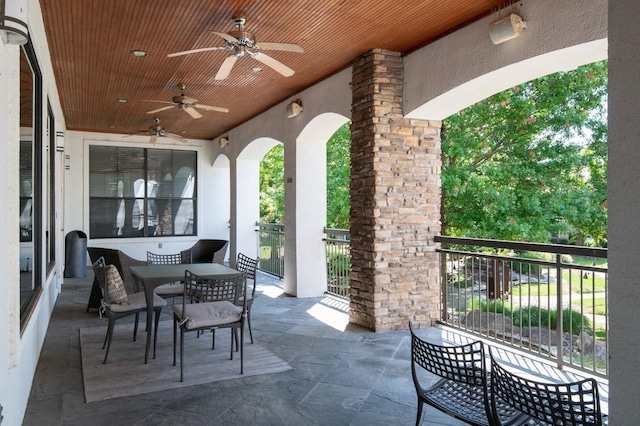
(157, 131)
(186, 104)
(243, 43)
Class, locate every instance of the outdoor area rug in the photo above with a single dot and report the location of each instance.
(125, 373)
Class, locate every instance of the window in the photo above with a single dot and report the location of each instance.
(141, 192)
(30, 163)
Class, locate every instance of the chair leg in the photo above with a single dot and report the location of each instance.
(157, 313)
(241, 349)
(233, 332)
(181, 355)
(419, 415)
(175, 335)
(213, 338)
(249, 323)
(109, 336)
(135, 327)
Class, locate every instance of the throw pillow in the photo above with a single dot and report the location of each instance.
(115, 291)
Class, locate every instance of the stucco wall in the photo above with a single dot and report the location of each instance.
(466, 67)
(623, 206)
(19, 352)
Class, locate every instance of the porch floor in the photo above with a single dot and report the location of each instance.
(343, 374)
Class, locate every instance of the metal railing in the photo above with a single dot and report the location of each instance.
(338, 254)
(546, 299)
(271, 248)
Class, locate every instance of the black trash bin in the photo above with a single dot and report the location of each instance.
(75, 255)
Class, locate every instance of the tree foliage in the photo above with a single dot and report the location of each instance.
(530, 161)
(272, 186)
(338, 175)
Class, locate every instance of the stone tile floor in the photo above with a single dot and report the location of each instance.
(343, 374)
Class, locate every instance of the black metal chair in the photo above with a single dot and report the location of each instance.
(462, 387)
(169, 290)
(208, 251)
(210, 304)
(136, 303)
(122, 262)
(250, 266)
(571, 404)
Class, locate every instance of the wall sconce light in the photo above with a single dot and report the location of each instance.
(13, 21)
(294, 109)
(506, 28)
(224, 142)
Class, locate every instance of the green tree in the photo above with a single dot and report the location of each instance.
(530, 160)
(272, 186)
(338, 175)
(338, 178)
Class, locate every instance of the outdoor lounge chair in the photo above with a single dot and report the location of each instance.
(250, 266)
(462, 388)
(130, 304)
(210, 304)
(122, 262)
(208, 251)
(570, 404)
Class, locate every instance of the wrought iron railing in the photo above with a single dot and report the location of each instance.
(338, 254)
(271, 248)
(547, 299)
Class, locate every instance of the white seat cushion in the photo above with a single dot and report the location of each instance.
(209, 314)
(137, 301)
(176, 289)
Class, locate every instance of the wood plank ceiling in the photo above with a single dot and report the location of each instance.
(91, 44)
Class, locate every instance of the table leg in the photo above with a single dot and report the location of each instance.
(148, 294)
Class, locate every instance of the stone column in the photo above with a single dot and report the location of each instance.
(395, 201)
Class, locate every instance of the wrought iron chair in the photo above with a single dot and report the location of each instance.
(122, 262)
(210, 304)
(169, 290)
(574, 403)
(136, 303)
(462, 388)
(208, 251)
(250, 266)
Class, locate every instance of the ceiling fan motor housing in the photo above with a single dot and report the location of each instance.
(245, 38)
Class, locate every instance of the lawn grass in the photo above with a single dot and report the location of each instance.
(597, 305)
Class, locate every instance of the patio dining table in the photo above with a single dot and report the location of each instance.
(152, 276)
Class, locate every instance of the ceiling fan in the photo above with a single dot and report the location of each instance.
(158, 131)
(186, 104)
(242, 43)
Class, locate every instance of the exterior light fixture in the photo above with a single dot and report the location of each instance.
(123, 100)
(294, 109)
(13, 22)
(506, 28)
(224, 142)
(139, 53)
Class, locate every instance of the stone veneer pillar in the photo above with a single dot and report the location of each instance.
(395, 201)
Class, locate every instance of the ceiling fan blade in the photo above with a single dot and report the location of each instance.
(276, 65)
(192, 112)
(227, 37)
(202, 49)
(210, 108)
(161, 109)
(153, 139)
(287, 47)
(176, 137)
(226, 67)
